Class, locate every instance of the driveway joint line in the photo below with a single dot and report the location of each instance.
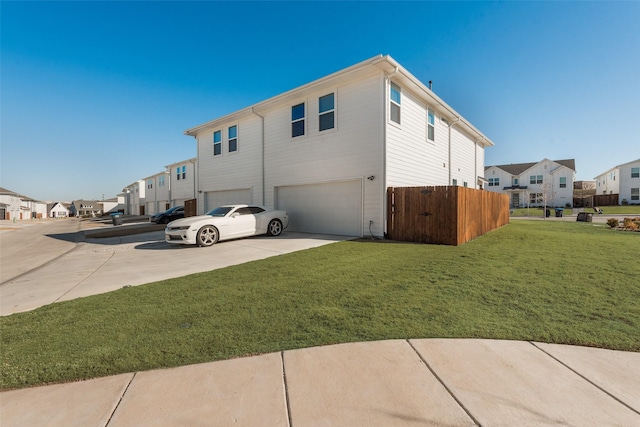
(121, 399)
(441, 381)
(85, 279)
(287, 401)
(614, 397)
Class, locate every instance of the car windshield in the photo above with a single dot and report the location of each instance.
(173, 209)
(221, 211)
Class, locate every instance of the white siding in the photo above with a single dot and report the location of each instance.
(236, 170)
(184, 188)
(627, 182)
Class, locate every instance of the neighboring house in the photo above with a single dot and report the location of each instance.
(14, 206)
(10, 205)
(87, 208)
(623, 180)
(545, 183)
(157, 193)
(57, 210)
(135, 198)
(115, 204)
(583, 192)
(182, 177)
(327, 151)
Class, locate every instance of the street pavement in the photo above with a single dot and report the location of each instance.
(422, 382)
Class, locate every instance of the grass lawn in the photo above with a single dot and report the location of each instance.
(558, 282)
(538, 212)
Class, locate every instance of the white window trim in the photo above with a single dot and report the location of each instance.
(335, 112)
(389, 120)
(304, 118)
(432, 141)
(237, 138)
(213, 136)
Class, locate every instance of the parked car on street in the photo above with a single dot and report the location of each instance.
(167, 216)
(226, 222)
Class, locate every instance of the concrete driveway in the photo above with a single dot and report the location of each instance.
(65, 265)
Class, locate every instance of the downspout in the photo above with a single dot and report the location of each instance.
(475, 162)
(385, 94)
(196, 179)
(262, 163)
(450, 126)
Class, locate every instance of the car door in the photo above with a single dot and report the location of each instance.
(242, 223)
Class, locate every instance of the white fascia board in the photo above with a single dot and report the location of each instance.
(191, 160)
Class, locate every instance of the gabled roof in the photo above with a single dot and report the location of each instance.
(519, 168)
(380, 62)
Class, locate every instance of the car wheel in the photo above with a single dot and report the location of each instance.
(274, 228)
(207, 236)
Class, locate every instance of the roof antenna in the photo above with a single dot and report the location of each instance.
(430, 84)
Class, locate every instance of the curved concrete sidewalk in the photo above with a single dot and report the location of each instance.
(426, 382)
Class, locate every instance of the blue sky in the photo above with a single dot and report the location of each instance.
(96, 95)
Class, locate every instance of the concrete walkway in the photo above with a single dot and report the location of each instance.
(432, 382)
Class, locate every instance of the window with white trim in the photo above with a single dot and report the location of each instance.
(297, 120)
(184, 172)
(395, 95)
(431, 125)
(535, 179)
(326, 109)
(635, 194)
(149, 184)
(178, 173)
(233, 139)
(635, 172)
(563, 182)
(494, 182)
(217, 143)
(161, 181)
(535, 198)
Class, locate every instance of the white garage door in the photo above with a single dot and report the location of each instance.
(329, 208)
(227, 197)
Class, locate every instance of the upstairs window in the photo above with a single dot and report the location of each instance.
(395, 96)
(178, 173)
(217, 143)
(326, 107)
(494, 182)
(297, 120)
(233, 139)
(431, 125)
(150, 184)
(514, 182)
(161, 181)
(535, 179)
(635, 172)
(563, 182)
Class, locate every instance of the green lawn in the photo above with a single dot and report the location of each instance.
(558, 282)
(538, 212)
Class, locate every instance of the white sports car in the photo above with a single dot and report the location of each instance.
(226, 222)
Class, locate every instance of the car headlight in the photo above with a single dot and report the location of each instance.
(185, 227)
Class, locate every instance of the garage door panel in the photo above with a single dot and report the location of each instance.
(227, 197)
(329, 208)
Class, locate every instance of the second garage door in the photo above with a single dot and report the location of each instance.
(227, 197)
(328, 208)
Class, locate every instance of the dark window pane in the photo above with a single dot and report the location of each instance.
(217, 149)
(233, 145)
(395, 113)
(297, 112)
(297, 128)
(326, 103)
(326, 121)
(431, 133)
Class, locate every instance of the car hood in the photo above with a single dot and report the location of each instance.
(190, 220)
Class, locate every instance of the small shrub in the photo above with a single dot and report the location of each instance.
(612, 222)
(624, 202)
(568, 205)
(629, 224)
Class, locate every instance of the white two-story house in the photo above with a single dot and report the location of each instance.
(547, 182)
(623, 180)
(157, 193)
(327, 151)
(134, 197)
(182, 176)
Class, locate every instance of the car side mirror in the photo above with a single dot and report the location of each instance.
(235, 215)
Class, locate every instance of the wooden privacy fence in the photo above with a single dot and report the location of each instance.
(443, 215)
(605, 200)
(191, 207)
